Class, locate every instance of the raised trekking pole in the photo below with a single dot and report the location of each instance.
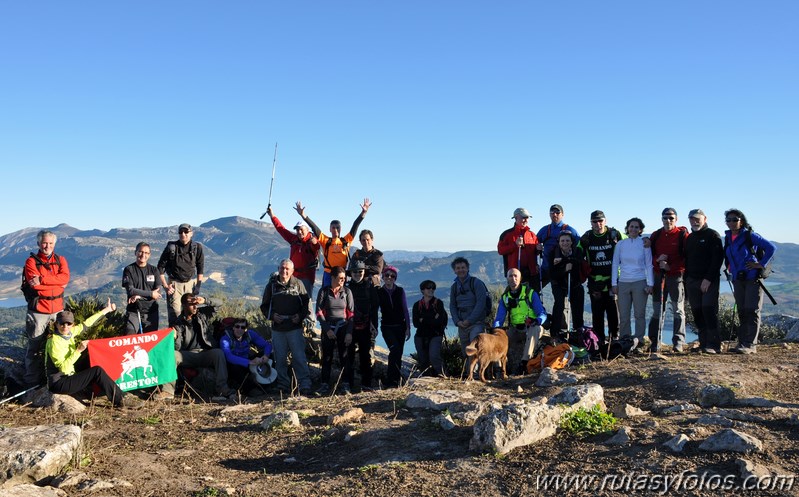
(274, 161)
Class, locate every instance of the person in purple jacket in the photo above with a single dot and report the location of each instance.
(243, 348)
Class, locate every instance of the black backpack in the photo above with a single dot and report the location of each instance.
(489, 300)
(759, 253)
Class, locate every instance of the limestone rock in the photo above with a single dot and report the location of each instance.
(711, 419)
(61, 403)
(737, 415)
(749, 469)
(288, 419)
(755, 402)
(30, 490)
(346, 416)
(445, 422)
(586, 396)
(34, 452)
(552, 377)
(622, 437)
(628, 411)
(680, 408)
(438, 400)
(729, 440)
(716, 395)
(677, 444)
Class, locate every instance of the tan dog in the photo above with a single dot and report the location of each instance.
(486, 349)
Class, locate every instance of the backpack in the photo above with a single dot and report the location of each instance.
(680, 241)
(563, 228)
(552, 356)
(587, 338)
(32, 296)
(172, 250)
(759, 253)
(489, 301)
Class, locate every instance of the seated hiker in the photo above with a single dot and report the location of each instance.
(67, 362)
(195, 345)
(244, 348)
(522, 308)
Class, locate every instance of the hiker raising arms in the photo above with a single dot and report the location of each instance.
(395, 323)
(335, 248)
(668, 259)
(704, 255)
(303, 252)
(632, 279)
(747, 255)
(518, 247)
(548, 239)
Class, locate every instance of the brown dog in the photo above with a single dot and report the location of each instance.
(486, 349)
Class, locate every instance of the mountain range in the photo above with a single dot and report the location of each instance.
(241, 253)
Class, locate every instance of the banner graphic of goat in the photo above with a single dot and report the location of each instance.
(137, 361)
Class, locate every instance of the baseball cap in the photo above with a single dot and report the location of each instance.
(357, 266)
(521, 211)
(300, 224)
(696, 212)
(597, 215)
(668, 210)
(556, 207)
(65, 317)
(184, 226)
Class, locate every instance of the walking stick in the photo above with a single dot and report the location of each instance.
(19, 394)
(662, 306)
(274, 161)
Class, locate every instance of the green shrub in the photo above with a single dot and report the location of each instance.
(584, 422)
(111, 325)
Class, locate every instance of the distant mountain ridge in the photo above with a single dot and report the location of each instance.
(241, 253)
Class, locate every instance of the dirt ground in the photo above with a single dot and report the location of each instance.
(194, 448)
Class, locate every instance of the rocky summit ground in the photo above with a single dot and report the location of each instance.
(392, 448)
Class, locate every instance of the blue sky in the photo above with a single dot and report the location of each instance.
(448, 115)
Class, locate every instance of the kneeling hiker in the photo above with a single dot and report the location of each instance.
(525, 315)
(67, 363)
(244, 348)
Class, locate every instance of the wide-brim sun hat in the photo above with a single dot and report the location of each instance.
(264, 373)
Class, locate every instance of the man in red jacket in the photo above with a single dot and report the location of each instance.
(304, 252)
(518, 248)
(668, 258)
(45, 277)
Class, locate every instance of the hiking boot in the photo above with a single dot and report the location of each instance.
(344, 389)
(307, 392)
(678, 349)
(708, 350)
(747, 350)
(324, 389)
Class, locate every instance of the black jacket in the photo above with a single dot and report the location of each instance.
(704, 254)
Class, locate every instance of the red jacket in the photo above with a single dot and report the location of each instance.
(508, 249)
(54, 275)
(668, 242)
(303, 253)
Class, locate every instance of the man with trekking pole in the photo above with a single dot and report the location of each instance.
(518, 247)
(668, 257)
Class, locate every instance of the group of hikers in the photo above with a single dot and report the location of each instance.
(359, 295)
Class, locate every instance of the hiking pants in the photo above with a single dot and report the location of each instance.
(705, 308)
(149, 320)
(364, 342)
(212, 358)
(173, 301)
(292, 341)
(675, 291)
(428, 349)
(394, 336)
(603, 303)
(632, 302)
(74, 383)
(346, 357)
(35, 327)
(560, 311)
(749, 299)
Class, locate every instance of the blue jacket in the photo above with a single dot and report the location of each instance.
(737, 254)
(548, 236)
(238, 351)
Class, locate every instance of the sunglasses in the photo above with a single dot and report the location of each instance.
(240, 326)
(732, 219)
(390, 275)
(597, 220)
(65, 324)
(429, 288)
(668, 218)
(184, 231)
